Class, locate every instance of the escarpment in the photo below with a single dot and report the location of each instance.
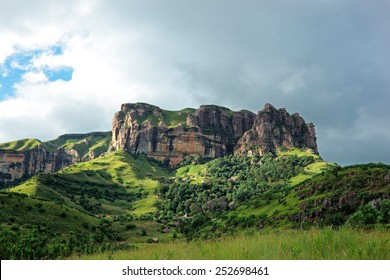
(210, 131)
(18, 163)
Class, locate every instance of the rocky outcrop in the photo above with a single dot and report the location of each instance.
(16, 166)
(50, 156)
(275, 129)
(171, 136)
(210, 131)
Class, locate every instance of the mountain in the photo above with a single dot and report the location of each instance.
(209, 132)
(194, 174)
(168, 136)
(22, 159)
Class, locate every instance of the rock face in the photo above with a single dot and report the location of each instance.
(275, 129)
(50, 156)
(16, 166)
(210, 131)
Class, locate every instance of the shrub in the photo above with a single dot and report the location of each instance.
(365, 216)
(384, 212)
(131, 226)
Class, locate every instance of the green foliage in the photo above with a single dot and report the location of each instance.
(205, 190)
(232, 178)
(367, 215)
(384, 212)
(334, 197)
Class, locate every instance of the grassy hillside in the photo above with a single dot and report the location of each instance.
(32, 228)
(168, 118)
(97, 142)
(116, 184)
(174, 118)
(109, 199)
(20, 145)
(292, 190)
(123, 201)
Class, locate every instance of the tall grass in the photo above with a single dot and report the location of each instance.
(314, 244)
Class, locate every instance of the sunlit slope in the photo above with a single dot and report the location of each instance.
(20, 145)
(96, 142)
(115, 184)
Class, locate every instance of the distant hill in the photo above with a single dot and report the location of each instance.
(21, 159)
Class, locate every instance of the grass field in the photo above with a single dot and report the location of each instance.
(313, 244)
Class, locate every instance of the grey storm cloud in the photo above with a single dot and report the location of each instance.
(326, 59)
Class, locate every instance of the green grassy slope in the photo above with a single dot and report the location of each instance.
(23, 212)
(20, 145)
(174, 118)
(129, 199)
(331, 198)
(115, 184)
(97, 142)
(109, 199)
(168, 118)
(83, 143)
(32, 228)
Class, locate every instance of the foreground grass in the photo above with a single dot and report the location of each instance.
(314, 244)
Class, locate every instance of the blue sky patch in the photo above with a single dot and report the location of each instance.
(64, 74)
(15, 66)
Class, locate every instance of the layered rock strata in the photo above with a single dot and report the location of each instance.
(210, 131)
(19, 165)
(275, 129)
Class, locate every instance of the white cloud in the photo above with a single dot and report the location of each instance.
(34, 77)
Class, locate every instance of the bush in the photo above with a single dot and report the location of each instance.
(365, 216)
(131, 226)
(384, 212)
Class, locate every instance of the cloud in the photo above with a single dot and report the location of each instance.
(327, 59)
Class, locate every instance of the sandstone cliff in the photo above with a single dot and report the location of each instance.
(210, 131)
(274, 129)
(20, 165)
(23, 161)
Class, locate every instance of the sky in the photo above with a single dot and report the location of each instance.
(67, 66)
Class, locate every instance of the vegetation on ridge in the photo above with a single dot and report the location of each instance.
(20, 145)
(97, 142)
